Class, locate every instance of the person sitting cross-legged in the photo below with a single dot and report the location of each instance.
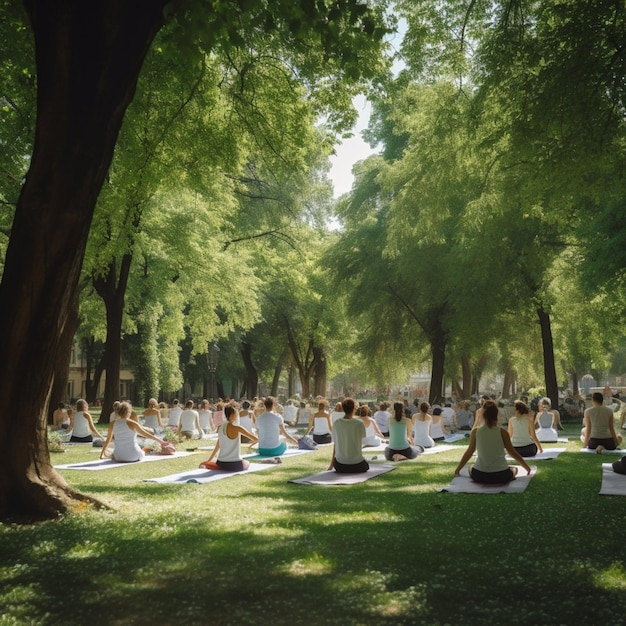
(228, 446)
(548, 422)
(373, 436)
(598, 432)
(422, 423)
(123, 433)
(400, 446)
(491, 442)
(522, 431)
(348, 435)
(270, 426)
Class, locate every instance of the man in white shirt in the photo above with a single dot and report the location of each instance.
(270, 426)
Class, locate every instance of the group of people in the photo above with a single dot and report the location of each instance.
(349, 427)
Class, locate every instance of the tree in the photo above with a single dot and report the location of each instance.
(88, 58)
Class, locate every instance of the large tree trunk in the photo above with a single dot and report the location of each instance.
(112, 289)
(277, 372)
(509, 380)
(549, 367)
(59, 386)
(88, 57)
(251, 383)
(320, 373)
(438, 347)
(94, 361)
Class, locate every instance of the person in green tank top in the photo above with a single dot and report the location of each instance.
(401, 446)
(491, 442)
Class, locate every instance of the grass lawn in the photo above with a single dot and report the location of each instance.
(255, 549)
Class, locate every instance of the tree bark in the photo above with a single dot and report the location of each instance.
(277, 372)
(61, 374)
(92, 356)
(88, 57)
(319, 380)
(438, 348)
(251, 384)
(549, 366)
(509, 380)
(112, 289)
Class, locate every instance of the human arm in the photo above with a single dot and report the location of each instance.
(92, 428)
(471, 448)
(376, 429)
(533, 434)
(107, 441)
(332, 459)
(159, 421)
(506, 440)
(246, 433)
(311, 424)
(612, 431)
(586, 430)
(444, 429)
(409, 431)
(140, 430)
(287, 435)
(215, 451)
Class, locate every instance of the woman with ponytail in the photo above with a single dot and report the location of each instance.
(400, 446)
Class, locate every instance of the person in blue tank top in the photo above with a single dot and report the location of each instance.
(491, 442)
(401, 446)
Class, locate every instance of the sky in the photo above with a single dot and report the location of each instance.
(350, 151)
(355, 149)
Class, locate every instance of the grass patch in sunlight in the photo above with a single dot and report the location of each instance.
(253, 548)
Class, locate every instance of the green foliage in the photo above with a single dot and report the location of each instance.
(17, 110)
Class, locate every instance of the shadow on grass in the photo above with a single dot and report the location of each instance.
(392, 550)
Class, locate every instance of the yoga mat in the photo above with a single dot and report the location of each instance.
(441, 447)
(613, 484)
(548, 453)
(103, 464)
(289, 452)
(438, 447)
(455, 437)
(202, 476)
(588, 451)
(331, 477)
(464, 484)
(379, 448)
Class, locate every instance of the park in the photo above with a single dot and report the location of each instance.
(392, 550)
(165, 199)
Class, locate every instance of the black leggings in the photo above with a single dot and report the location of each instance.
(356, 468)
(231, 466)
(620, 466)
(609, 444)
(492, 478)
(410, 453)
(526, 451)
(325, 438)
